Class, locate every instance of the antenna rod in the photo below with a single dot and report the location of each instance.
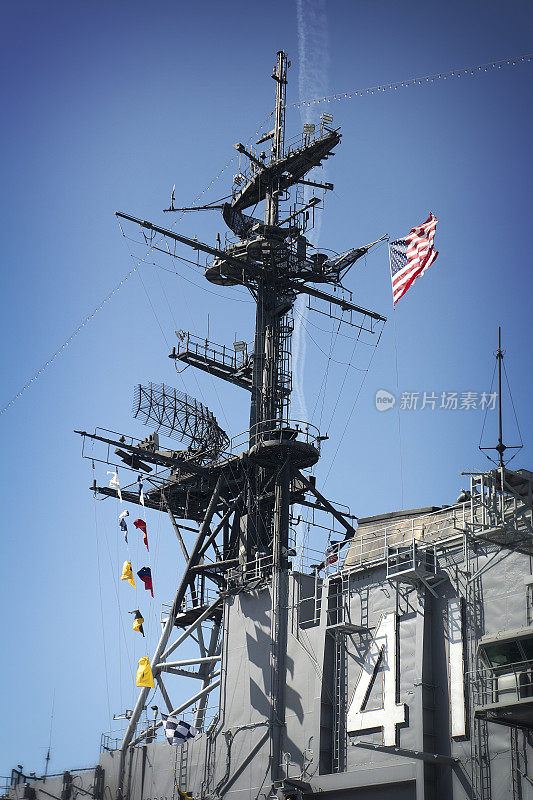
(499, 355)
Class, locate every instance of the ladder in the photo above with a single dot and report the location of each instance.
(515, 765)
(340, 618)
(479, 736)
(184, 760)
(340, 702)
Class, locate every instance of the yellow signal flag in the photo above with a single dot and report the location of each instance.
(138, 621)
(144, 674)
(127, 573)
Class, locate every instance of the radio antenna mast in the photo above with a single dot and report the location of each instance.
(501, 447)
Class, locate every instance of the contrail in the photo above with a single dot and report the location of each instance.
(313, 57)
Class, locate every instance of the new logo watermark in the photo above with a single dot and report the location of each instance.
(447, 401)
(384, 400)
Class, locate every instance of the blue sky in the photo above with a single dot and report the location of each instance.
(106, 106)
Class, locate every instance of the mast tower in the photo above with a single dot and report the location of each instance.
(250, 492)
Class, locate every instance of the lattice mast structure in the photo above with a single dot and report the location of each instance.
(251, 492)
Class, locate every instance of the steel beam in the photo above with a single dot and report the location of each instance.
(205, 671)
(339, 301)
(152, 729)
(241, 264)
(176, 528)
(185, 581)
(164, 692)
(187, 661)
(154, 458)
(326, 504)
(221, 524)
(209, 610)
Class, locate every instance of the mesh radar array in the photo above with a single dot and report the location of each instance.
(180, 417)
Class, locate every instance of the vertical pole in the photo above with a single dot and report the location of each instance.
(264, 405)
(280, 76)
(279, 619)
(266, 327)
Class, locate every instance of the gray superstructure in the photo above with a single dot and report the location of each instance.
(400, 663)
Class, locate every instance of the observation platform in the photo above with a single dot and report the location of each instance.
(272, 444)
(218, 360)
(502, 503)
(499, 511)
(286, 171)
(503, 686)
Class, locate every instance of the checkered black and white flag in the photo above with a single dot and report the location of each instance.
(177, 732)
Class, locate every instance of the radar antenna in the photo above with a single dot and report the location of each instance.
(180, 417)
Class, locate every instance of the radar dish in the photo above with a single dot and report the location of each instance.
(181, 417)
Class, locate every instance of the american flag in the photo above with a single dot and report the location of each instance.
(410, 257)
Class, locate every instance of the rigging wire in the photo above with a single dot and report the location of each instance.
(72, 336)
(198, 285)
(126, 277)
(509, 447)
(113, 568)
(308, 321)
(311, 101)
(154, 311)
(350, 414)
(47, 760)
(335, 361)
(101, 606)
(398, 404)
(486, 409)
(339, 393)
(453, 73)
(512, 404)
(323, 385)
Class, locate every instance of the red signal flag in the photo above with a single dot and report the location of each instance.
(141, 524)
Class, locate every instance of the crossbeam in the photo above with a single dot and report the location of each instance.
(145, 455)
(193, 243)
(187, 661)
(338, 301)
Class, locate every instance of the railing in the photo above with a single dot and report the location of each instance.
(409, 559)
(109, 743)
(494, 506)
(204, 598)
(502, 686)
(256, 569)
(371, 547)
(291, 145)
(112, 740)
(7, 783)
(277, 431)
(301, 140)
(210, 351)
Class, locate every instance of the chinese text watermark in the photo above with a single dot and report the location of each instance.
(447, 401)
